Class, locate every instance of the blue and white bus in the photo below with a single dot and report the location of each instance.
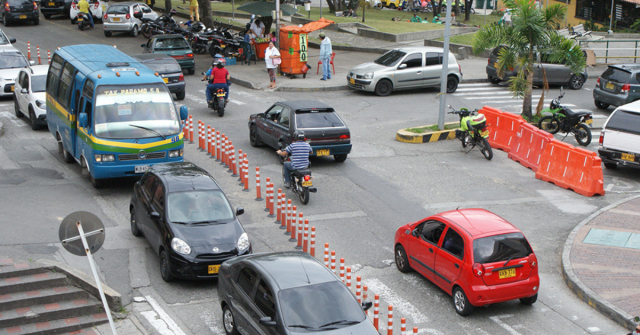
(110, 113)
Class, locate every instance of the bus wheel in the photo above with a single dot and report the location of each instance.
(96, 183)
(66, 156)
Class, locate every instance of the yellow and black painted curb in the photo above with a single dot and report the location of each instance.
(409, 137)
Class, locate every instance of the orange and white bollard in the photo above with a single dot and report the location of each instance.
(258, 189)
(267, 192)
(313, 241)
(305, 240)
(212, 151)
(333, 261)
(390, 321)
(364, 297)
(283, 209)
(29, 50)
(218, 146)
(200, 136)
(271, 204)
(288, 217)
(190, 128)
(292, 231)
(415, 330)
(204, 136)
(342, 269)
(48, 56)
(376, 311)
(232, 166)
(299, 230)
(224, 151)
(359, 289)
(326, 254)
(279, 207)
(38, 48)
(403, 326)
(208, 140)
(349, 278)
(246, 173)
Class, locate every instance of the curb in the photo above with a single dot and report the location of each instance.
(86, 283)
(441, 135)
(1, 128)
(580, 289)
(245, 83)
(312, 89)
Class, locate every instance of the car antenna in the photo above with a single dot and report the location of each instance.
(305, 271)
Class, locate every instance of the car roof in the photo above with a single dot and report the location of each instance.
(479, 222)
(129, 3)
(155, 56)
(420, 49)
(627, 67)
(37, 70)
(291, 269)
(304, 104)
(633, 107)
(184, 176)
(162, 37)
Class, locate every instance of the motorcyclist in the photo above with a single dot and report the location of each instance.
(83, 7)
(218, 77)
(300, 151)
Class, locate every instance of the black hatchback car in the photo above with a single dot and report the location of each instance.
(188, 221)
(324, 129)
(168, 68)
(287, 293)
(19, 10)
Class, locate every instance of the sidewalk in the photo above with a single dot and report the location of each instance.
(601, 261)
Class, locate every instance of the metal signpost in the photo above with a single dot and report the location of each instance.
(79, 243)
(445, 70)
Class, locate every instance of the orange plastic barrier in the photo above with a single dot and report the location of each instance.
(503, 127)
(571, 168)
(528, 146)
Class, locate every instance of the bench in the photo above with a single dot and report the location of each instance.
(580, 31)
(566, 33)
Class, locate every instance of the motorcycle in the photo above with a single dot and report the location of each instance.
(224, 43)
(563, 119)
(218, 102)
(473, 131)
(83, 21)
(301, 184)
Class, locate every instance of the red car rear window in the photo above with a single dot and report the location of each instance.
(500, 248)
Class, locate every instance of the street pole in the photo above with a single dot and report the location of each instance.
(363, 10)
(233, 9)
(484, 10)
(278, 24)
(320, 8)
(611, 18)
(445, 70)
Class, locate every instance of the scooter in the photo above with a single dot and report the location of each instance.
(565, 120)
(473, 131)
(301, 184)
(83, 21)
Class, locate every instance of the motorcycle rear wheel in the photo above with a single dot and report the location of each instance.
(221, 108)
(304, 195)
(583, 134)
(485, 148)
(549, 124)
(146, 31)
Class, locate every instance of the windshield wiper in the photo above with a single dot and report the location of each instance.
(300, 326)
(341, 322)
(510, 258)
(151, 130)
(204, 221)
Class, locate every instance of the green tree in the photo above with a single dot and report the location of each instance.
(532, 33)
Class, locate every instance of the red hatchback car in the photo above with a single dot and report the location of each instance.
(474, 255)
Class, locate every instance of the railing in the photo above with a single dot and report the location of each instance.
(609, 48)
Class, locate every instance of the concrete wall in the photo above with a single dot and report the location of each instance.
(240, 15)
(414, 36)
(454, 48)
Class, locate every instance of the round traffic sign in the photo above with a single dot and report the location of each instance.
(70, 235)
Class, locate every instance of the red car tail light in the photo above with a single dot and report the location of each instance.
(601, 138)
(478, 269)
(181, 78)
(127, 17)
(106, 16)
(598, 82)
(188, 56)
(345, 137)
(533, 260)
(488, 61)
(625, 88)
(307, 178)
(35, 6)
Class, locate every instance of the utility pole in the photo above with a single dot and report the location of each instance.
(278, 24)
(445, 69)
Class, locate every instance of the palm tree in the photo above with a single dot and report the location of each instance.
(532, 32)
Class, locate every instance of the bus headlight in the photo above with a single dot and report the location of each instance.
(176, 153)
(105, 158)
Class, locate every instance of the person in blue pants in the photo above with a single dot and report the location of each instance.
(218, 77)
(325, 56)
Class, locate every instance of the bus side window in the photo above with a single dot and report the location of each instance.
(64, 88)
(76, 105)
(87, 109)
(53, 76)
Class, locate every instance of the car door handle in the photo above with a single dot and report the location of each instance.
(457, 266)
(430, 250)
(419, 72)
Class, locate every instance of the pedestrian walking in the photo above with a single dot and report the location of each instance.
(193, 7)
(325, 56)
(272, 58)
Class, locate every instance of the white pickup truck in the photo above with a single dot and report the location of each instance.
(620, 137)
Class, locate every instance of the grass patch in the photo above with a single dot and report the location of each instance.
(466, 39)
(317, 40)
(434, 127)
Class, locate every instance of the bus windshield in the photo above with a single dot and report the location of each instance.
(137, 111)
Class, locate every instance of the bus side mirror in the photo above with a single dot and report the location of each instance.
(82, 120)
(184, 112)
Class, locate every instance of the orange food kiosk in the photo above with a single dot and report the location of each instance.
(294, 47)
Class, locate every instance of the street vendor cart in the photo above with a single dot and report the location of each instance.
(294, 47)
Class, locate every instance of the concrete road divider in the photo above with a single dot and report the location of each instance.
(406, 136)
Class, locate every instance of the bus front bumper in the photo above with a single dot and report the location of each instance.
(119, 169)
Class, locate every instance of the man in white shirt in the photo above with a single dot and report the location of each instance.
(257, 29)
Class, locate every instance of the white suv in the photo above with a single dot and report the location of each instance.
(620, 137)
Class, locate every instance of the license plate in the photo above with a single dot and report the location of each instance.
(307, 183)
(79, 20)
(223, 45)
(495, 65)
(502, 274)
(588, 121)
(484, 133)
(323, 152)
(610, 86)
(116, 19)
(142, 168)
(22, 17)
(52, 4)
(12, 88)
(213, 269)
(166, 80)
(352, 81)
(628, 157)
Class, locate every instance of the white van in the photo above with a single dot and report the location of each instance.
(620, 137)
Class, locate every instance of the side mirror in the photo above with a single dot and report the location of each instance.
(366, 305)
(154, 215)
(402, 66)
(32, 62)
(239, 211)
(184, 112)
(414, 232)
(82, 120)
(143, 45)
(12, 40)
(266, 321)
(138, 15)
(24, 91)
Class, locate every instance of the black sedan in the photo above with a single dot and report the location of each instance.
(169, 69)
(325, 131)
(188, 221)
(287, 293)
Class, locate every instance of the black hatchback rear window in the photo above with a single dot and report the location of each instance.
(625, 121)
(500, 248)
(616, 75)
(18, 3)
(318, 119)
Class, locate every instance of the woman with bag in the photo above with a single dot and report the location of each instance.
(272, 59)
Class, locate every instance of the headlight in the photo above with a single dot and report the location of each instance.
(176, 153)
(180, 246)
(368, 75)
(105, 158)
(41, 104)
(243, 242)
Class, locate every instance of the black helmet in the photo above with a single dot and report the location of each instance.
(298, 135)
(173, 12)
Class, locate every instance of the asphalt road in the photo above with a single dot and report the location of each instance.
(359, 204)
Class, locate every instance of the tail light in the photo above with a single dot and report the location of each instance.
(6, 7)
(73, 4)
(478, 269)
(625, 88)
(35, 6)
(601, 138)
(459, 68)
(188, 56)
(533, 260)
(97, 4)
(598, 82)
(177, 57)
(127, 16)
(105, 16)
(307, 178)
(489, 61)
(181, 78)
(345, 137)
